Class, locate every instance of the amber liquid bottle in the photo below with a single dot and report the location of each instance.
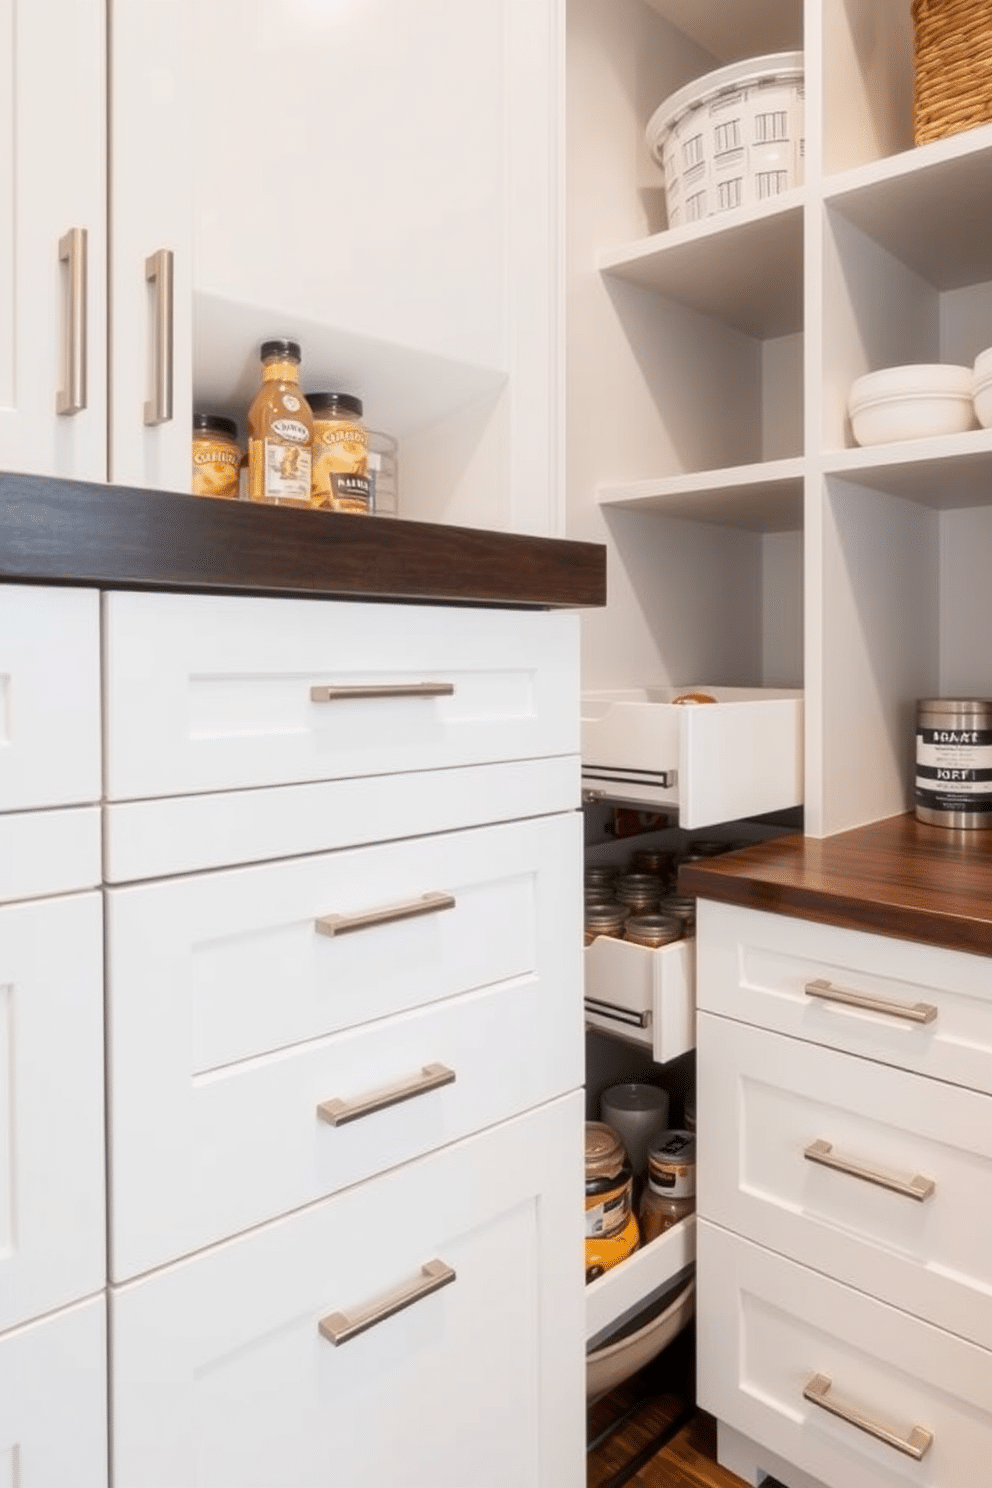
(280, 430)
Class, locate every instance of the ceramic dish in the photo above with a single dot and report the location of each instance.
(983, 388)
(916, 401)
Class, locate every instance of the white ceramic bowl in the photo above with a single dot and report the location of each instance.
(610, 1365)
(983, 388)
(916, 401)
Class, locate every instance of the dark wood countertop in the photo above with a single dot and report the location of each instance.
(895, 877)
(72, 532)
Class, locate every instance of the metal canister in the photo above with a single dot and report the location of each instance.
(954, 762)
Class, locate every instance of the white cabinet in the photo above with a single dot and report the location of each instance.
(751, 541)
(843, 1233)
(53, 399)
(344, 1032)
(390, 200)
(305, 1351)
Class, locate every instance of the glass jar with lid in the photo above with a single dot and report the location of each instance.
(340, 471)
(670, 1193)
(612, 1232)
(216, 457)
(641, 891)
(652, 930)
(603, 917)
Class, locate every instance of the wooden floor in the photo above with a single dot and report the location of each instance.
(645, 1407)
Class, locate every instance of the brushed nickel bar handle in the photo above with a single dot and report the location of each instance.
(159, 271)
(912, 1012)
(339, 1327)
(386, 914)
(822, 1152)
(339, 1112)
(72, 251)
(382, 690)
(618, 1014)
(915, 1445)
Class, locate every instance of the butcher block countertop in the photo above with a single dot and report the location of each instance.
(895, 877)
(73, 532)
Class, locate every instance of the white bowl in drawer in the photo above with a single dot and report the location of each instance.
(739, 756)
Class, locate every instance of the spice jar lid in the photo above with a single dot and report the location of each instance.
(334, 402)
(653, 929)
(606, 1156)
(283, 351)
(956, 707)
(214, 423)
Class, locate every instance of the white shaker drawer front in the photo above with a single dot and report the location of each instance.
(53, 1400)
(216, 694)
(228, 1012)
(881, 1178)
(49, 852)
(423, 1328)
(795, 1360)
(643, 995)
(49, 697)
(917, 1006)
(52, 1223)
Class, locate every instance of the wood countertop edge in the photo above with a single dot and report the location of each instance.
(94, 535)
(811, 879)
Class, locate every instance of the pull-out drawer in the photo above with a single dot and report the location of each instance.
(421, 1328)
(49, 697)
(917, 1006)
(210, 694)
(737, 756)
(643, 995)
(795, 1361)
(241, 1001)
(53, 1400)
(881, 1178)
(52, 1225)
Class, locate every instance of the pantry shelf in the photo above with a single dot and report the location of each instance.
(764, 497)
(948, 473)
(746, 272)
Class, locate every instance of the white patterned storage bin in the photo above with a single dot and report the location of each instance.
(731, 139)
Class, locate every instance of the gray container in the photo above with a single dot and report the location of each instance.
(954, 762)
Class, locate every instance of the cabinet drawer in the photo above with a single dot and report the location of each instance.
(49, 852)
(215, 694)
(53, 1400)
(222, 1376)
(49, 697)
(231, 1018)
(738, 757)
(52, 1226)
(768, 1329)
(874, 1221)
(757, 967)
(643, 995)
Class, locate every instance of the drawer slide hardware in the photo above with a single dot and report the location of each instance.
(386, 914)
(915, 1445)
(339, 1327)
(618, 1014)
(340, 1112)
(382, 690)
(912, 1012)
(910, 1188)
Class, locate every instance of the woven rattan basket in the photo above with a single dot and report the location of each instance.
(952, 41)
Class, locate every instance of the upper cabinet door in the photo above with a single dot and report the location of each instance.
(53, 238)
(151, 204)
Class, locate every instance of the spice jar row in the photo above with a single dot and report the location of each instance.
(618, 1222)
(304, 449)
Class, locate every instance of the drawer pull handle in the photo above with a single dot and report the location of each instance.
(915, 1445)
(339, 1112)
(618, 1014)
(913, 1012)
(386, 914)
(382, 690)
(159, 270)
(72, 251)
(910, 1188)
(338, 1327)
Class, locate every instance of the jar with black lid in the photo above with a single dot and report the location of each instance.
(340, 469)
(216, 457)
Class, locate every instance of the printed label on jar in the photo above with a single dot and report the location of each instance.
(954, 769)
(286, 471)
(350, 493)
(609, 1216)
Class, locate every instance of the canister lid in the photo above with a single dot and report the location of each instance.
(956, 707)
(335, 403)
(285, 351)
(214, 423)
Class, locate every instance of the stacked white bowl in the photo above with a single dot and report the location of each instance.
(982, 392)
(916, 401)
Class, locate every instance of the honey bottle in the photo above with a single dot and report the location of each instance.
(280, 430)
